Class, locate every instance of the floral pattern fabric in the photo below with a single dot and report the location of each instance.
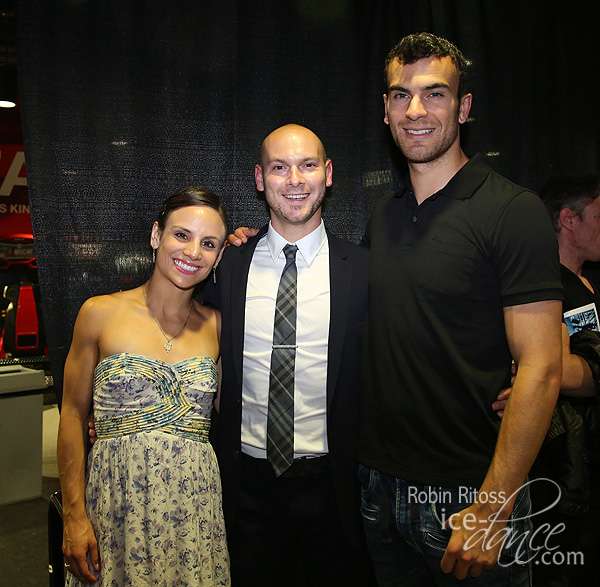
(153, 490)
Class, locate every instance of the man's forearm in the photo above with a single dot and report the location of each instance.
(533, 332)
(524, 426)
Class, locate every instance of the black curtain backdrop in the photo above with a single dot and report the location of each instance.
(126, 101)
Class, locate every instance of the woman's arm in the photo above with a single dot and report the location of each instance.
(78, 536)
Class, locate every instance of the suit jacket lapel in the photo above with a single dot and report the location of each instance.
(340, 282)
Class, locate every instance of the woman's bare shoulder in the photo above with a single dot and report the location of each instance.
(206, 313)
(99, 306)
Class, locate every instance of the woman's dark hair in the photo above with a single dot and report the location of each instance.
(190, 196)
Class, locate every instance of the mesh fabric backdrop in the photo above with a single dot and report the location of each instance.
(125, 102)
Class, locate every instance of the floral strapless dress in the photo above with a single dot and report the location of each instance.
(153, 491)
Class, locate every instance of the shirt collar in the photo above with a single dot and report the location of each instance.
(308, 246)
(463, 184)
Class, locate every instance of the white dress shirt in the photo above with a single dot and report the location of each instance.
(312, 334)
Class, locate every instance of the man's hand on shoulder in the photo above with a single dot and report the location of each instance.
(241, 235)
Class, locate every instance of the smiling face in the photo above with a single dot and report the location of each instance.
(191, 243)
(294, 174)
(423, 109)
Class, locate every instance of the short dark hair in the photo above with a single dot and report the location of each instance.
(190, 196)
(572, 192)
(418, 46)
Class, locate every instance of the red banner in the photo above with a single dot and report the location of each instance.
(15, 221)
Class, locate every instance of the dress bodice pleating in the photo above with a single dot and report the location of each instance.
(133, 393)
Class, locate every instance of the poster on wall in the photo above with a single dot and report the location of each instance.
(16, 236)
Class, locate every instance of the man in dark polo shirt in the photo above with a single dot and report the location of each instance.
(464, 278)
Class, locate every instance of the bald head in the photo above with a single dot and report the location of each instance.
(291, 134)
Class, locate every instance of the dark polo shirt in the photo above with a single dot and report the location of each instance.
(436, 353)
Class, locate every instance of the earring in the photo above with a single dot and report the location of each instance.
(153, 255)
(214, 274)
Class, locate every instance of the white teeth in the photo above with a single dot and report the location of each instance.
(295, 196)
(419, 132)
(185, 266)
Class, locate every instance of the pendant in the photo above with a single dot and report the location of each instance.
(168, 346)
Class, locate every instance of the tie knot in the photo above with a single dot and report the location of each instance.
(290, 251)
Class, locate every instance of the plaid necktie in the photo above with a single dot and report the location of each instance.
(280, 420)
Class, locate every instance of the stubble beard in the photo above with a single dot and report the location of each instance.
(309, 208)
(426, 153)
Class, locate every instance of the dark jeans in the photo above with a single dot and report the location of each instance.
(407, 539)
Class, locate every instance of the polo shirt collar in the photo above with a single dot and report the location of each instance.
(308, 246)
(465, 182)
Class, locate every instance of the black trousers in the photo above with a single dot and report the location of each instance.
(287, 531)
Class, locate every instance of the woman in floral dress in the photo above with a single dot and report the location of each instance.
(146, 511)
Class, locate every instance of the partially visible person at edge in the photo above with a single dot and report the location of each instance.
(149, 511)
(298, 522)
(566, 474)
(464, 277)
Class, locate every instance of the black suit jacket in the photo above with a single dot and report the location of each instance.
(348, 265)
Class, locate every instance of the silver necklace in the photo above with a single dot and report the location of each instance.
(169, 343)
